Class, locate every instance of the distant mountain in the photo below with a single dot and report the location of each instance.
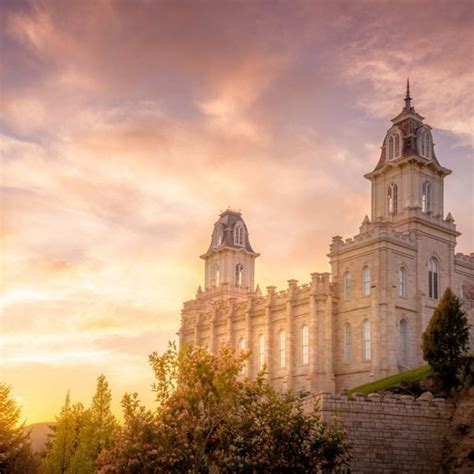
(39, 435)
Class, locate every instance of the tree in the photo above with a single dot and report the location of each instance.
(446, 339)
(209, 417)
(64, 440)
(15, 450)
(81, 434)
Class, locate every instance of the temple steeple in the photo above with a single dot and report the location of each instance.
(408, 107)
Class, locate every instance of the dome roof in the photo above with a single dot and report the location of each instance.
(224, 234)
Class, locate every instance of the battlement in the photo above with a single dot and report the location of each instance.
(370, 232)
(463, 259)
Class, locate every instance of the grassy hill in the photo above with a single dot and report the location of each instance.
(408, 377)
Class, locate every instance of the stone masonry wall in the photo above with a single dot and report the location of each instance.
(389, 433)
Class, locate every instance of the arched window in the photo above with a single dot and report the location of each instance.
(282, 349)
(426, 197)
(216, 275)
(394, 146)
(304, 345)
(466, 299)
(242, 344)
(347, 343)
(366, 281)
(425, 145)
(366, 340)
(261, 352)
(391, 144)
(218, 236)
(239, 235)
(433, 278)
(397, 146)
(392, 198)
(347, 283)
(403, 343)
(239, 274)
(402, 282)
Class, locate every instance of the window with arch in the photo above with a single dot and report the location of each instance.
(261, 352)
(239, 275)
(466, 299)
(366, 281)
(347, 343)
(433, 278)
(426, 197)
(242, 344)
(366, 340)
(392, 198)
(304, 345)
(424, 144)
(402, 282)
(347, 285)
(394, 146)
(403, 343)
(216, 275)
(282, 349)
(239, 235)
(218, 236)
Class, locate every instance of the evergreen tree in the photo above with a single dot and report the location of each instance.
(81, 434)
(64, 440)
(446, 339)
(15, 450)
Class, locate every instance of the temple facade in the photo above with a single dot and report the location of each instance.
(365, 319)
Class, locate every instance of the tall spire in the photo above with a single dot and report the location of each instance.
(407, 97)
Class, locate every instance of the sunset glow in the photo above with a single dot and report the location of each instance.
(126, 127)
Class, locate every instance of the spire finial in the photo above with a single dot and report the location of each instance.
(407, 97)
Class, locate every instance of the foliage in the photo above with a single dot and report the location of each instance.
(446, 339)
(410, 377)
(79, 434)
(209, 417)
(15, 450)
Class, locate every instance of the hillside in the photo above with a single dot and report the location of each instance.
(39, 435)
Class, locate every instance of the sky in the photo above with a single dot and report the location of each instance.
(127, 126)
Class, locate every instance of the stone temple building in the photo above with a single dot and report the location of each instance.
(365, 319)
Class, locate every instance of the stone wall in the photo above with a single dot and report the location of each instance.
(389, 433)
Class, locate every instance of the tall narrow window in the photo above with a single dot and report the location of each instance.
(426, 197)
(304, 345)
(239, 274)
(216, 275)
(239, 234)
(392, 198)
(347, 343)
(282, 349)
(218, 236)
(347, 283)
(433, 278)
(261, 352)
(397, 146)
(466, 299)
(366, 340)
(390, 147)
(403, 343)
(402, 282)
(366, 281)
(242, 344)
(424, 145)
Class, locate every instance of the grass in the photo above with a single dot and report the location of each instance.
(410, 376)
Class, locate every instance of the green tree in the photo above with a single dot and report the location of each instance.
(64, 440)
(209, 417)
(446, 339)
(15, 450)
(81, 434)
